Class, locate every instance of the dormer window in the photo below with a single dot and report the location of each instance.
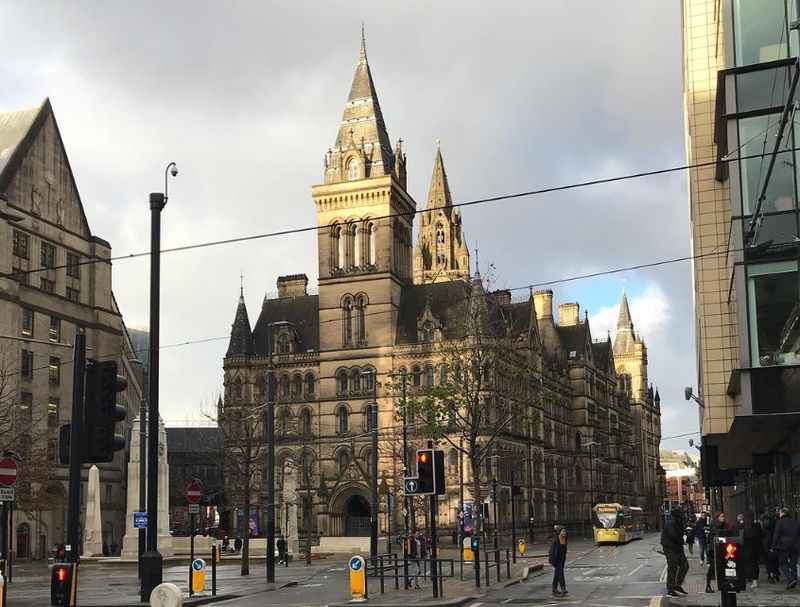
(352, 170)
(283, 345)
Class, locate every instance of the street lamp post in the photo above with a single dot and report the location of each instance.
(151, 560)
(269, 433)
(373, 418)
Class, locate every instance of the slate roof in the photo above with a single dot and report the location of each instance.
(573, 338)
(194, 440)
(13, 128)
(602, 353)
(448, 302)
(241, 342)
(302, 312)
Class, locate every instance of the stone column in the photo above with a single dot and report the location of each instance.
(93, 524)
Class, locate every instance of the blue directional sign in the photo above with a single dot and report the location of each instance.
(140, 520)
(355, 563)
(198, 564)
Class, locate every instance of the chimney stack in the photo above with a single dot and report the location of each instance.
(293, 285)
(568, 314)
(543, 302)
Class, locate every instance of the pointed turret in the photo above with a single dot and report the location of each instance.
(362, 146)
(626, 337)
(439, 193)
(241, 343)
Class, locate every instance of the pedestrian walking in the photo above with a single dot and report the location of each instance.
(283, 557)
(770, 555)
(672, 543)
(751, 547)
(689, 534)
(237, 544)
(558, 559)
(785, 541)
(700, 528)
(714, 556)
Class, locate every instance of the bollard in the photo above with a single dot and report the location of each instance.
(214, 569)
(396, 573)
(497, 563)
(486, 567)
(439, 577)
(380, 563)
(508, 566)
(166, 595)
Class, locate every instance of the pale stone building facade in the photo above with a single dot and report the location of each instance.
(51, 286)
(382, 310)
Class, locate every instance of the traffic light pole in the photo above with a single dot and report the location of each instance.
(75, 461)
(434, 505)
(513, 520)
(406, 501)
(373, 532)
(151, 560)
(142, 480)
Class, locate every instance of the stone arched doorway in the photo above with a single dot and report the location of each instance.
(356, 516)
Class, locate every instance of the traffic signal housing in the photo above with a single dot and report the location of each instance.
(101, 412)
(731, 578)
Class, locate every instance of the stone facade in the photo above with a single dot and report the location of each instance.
(48, 292)
(579, 438)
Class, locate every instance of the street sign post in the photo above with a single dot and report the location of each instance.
(194, 508)
(194, 491)
(7, 494)
(8, 472)
(358, 579)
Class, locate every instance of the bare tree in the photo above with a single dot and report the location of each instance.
(242, 427)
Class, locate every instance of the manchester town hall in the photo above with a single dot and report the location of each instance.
(383, 303)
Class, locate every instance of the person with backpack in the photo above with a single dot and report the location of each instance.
(700, 528)
(283, 557)
(785, 541)
(672, 543)
(558, 559)
(751, 547)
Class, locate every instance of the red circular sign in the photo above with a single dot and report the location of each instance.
(8, 472)
(194, 491)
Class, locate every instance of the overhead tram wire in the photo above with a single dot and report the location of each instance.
(499, 198)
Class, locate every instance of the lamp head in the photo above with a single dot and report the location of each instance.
(687, 392)
(174, 171)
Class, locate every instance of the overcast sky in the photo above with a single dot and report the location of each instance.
(246, 97)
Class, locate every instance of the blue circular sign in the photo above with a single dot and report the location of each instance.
(198, 564)
(355, 563)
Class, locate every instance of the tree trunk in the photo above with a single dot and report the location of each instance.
(246, 538)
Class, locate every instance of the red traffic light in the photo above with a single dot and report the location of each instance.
(423, 456)
(730, 551)
(61, 573)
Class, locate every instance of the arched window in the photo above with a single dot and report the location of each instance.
(370, 419)
(355, 381)
(443, 374)
(306, 468)
(352, 170)
(416, 377)
(283, 421)
(297, 386)
(427, 331)
(368, 380)
(338, 247)
(342, 421)
(310, 385)
(341, 382)
(305, 422)
(283, 344)
(372, 232)
(430, 376)
(355, 236)
(361, 327)
(347, 322)
(285, 387)
(342, 461)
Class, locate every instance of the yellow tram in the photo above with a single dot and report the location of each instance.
(617, 524)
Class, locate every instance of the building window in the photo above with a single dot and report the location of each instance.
(370, 418)
(73, 295)
(26, 407)
(305, 422)
(306, 467)
(760, 30)
(342, 461)
(54, 371)
(310, 385)
(355, 235)
(361, 326)
(297, 386)
(286, 389)
(22, 244)
(355, 381)
(342, 420)
(55, 329)
(372, 231)
(772, 295)
(73, 265)
(283, 421)
(53, 412)
(26, 365)
(352, 170)
(47, 285)
(339, 246)
(27, 322)
(430, 376)
(369, 381)
(48, 255)
(347, 322)
(416, 374)
(341, 382)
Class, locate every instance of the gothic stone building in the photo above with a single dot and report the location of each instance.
(50, 290)
(585, 426)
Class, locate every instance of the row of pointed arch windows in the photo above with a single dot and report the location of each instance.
(426, 375)
(296, 386)
(284, 422)
(354, 326)
(355, 381)
(343, 422)
(354, 245)
(344, 457)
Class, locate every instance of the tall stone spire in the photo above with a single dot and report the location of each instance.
(626, 338)
(624, 320)
(362, 136)
(441, 252)
(241, 342)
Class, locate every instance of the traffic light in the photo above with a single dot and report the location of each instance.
(64, 434)
(59, 579)
(426, 474)
(101, 412)
(731, 579)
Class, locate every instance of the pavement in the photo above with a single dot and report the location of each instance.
(630, 575)
(766, 595)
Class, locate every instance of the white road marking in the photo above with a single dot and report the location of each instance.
(637, 569)
(656, 601)
(663, 576)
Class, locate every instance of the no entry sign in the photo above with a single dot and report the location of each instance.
(194, 491)
(8, 472)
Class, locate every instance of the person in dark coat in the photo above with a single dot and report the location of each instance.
(558, 559)
(672, 543)
(751, 547)
(770, 556)
(283, 557)
(700, 535)
(785, 541)
(714, 556)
